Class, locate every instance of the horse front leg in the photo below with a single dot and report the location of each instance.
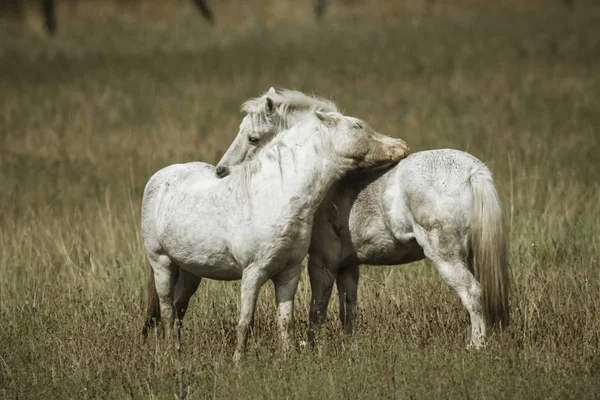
(347, 285)
(286, 284)
(321, 284)
(253, 278)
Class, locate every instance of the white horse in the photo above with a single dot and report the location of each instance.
(439, 204)
(254, 225)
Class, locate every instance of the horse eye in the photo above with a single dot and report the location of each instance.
(253, 139)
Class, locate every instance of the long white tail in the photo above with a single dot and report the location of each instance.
(488, 243)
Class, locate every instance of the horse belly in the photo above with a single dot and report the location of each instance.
(206, 258)
(220, 271)
(204, 254)
(388, 250)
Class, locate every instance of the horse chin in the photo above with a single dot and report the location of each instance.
(372, 163)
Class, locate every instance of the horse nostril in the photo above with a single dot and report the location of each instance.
(222, 171)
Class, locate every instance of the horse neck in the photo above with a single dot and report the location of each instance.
(293, 118)
(300, 175)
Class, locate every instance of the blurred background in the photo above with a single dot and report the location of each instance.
(96, 96)
(50, 13)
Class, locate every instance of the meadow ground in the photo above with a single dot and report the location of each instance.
(88, 116)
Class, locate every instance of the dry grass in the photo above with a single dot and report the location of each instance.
(87, 117)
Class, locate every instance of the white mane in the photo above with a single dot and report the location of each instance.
(289, 100)
(311, 128)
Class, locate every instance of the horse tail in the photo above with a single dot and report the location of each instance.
(152, 303)
(488, 247)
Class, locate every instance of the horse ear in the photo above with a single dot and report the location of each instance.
(272, 90)
(326, 118)
(269, 106)
(321, 116)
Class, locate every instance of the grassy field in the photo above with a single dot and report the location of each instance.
(88, 116)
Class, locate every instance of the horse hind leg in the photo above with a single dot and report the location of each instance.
(458, 277)
(165, 275)
(185, 287)
(152, 304)
(447, 250)
(347, 285)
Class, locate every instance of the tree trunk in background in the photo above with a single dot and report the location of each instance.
(204, 10)
(319, 8)
(49, 11)
(15, 9)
